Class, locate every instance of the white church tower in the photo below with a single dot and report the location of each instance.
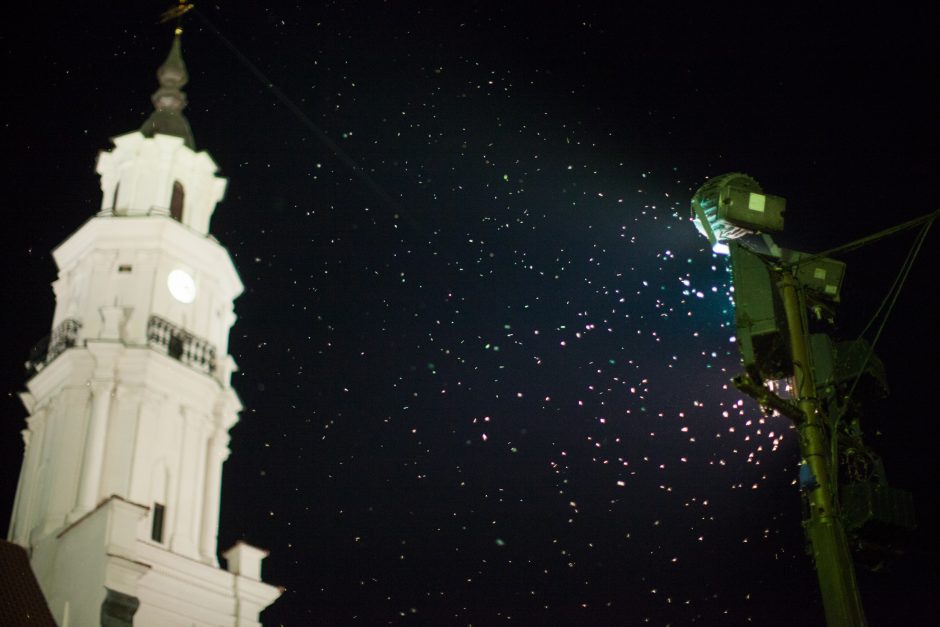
(130, 402)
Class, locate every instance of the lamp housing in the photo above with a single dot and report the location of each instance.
(732, 205)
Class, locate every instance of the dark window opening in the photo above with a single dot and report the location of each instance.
(175, 346)
(156, 530)
(114, 199)
(176, 202)
(125, 268)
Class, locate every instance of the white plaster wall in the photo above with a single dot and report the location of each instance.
(145, 170)
(164, 425)
(90, 278)
(93, 553)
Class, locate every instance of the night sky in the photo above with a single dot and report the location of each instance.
(484, 354)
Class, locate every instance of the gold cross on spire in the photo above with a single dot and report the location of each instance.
(176, 13)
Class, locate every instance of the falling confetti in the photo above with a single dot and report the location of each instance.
(499, 390)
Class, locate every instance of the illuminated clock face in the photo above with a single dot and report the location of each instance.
(181, 286)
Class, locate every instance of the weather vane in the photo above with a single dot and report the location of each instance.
(176, 13)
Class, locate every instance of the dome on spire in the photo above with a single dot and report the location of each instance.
(169, 100)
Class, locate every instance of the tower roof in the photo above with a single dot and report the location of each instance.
(21, 598)
(169, 100)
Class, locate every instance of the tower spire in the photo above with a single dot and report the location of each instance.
(169, 100)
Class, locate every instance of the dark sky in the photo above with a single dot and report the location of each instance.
(486, 376)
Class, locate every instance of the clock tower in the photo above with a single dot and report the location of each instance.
(130, 401)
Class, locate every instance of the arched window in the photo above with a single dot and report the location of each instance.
(176, 202)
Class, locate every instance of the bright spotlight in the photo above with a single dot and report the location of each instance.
(732, 205)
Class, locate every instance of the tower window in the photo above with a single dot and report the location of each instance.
(114, 198)
(156, 530)
(176, 202)
(125, 267)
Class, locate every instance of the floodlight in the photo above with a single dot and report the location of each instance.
(732, 205)
(841, 365)
(879, 518)
(759, 316)
(821, 276)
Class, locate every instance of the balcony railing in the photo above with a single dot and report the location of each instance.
(173, 341)
(48, 348)
(162, 336)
